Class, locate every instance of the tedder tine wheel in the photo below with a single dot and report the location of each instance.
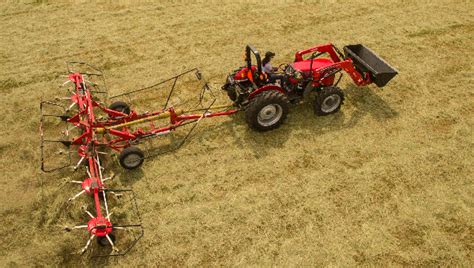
(102, 240)
(328, 101)
(131, 158)
(267, 110)
(120, 106)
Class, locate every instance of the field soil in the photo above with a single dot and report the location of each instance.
(388, 180)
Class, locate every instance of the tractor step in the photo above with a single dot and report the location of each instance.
(366, 60)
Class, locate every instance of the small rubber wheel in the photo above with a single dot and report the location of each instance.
(131, 158)
(267, 110)
(328, 101)
(102, 240)
(120, 106)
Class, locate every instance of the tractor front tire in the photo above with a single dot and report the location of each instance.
(120, 106)
(131, 158)
(267, 110)
(328, 101)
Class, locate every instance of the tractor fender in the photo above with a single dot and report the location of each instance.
(265, 88)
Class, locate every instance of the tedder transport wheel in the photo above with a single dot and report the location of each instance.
(102, 240)
(267, 110)
(328, 101)
(120, 106)
(131, 158)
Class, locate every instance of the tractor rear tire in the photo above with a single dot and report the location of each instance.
(131, 158)
(328, 101)
(267, 110)
(120, 106)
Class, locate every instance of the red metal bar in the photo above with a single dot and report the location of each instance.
(115, 138)
(206, 115)
(175, 122)
(329, 48)
(85, 119)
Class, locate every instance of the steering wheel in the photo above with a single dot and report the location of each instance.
(282, 67)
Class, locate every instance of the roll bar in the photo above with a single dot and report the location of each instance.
(249, 48)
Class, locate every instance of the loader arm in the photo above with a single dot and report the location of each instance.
(327, 48)
(346, 65)
(358, 78)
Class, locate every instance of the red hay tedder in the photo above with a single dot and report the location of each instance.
(93, 128)
(100, 128)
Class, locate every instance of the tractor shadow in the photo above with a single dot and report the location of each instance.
(363, 101)
(302, 122)
(367, 102)
(359, 103)
(261, 142)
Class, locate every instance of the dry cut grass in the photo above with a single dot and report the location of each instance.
(386, 181)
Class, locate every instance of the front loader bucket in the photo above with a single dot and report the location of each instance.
(366, 60)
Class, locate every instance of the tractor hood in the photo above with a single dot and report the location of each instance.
(304, 66)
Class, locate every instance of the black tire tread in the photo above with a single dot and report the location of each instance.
(325, 92)
(120, 106)
(131, 150)
(260, 101)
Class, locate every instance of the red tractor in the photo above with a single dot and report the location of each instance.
(266, 96)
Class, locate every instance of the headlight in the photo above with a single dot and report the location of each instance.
(298, 75)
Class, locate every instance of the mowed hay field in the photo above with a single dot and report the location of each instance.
(386, 181)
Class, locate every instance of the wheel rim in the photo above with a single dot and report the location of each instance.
(132, 160)
(270, 114)
(331, 103)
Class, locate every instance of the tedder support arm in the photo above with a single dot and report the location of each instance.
(177, 118)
